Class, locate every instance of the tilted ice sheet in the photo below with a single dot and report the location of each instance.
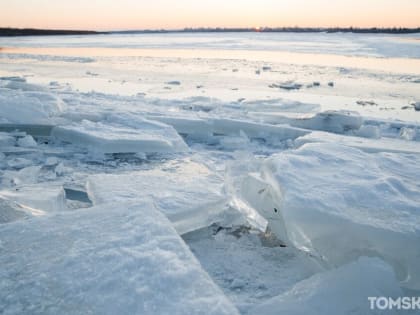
(341, 291)
(27, 104)
(110, 259)
(205, 127)
(188, 192)
(331, 121)
(341, 203)
(364, 144)
(44, 197)
(111, 137)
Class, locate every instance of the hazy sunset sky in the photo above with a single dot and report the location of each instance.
(142, 14)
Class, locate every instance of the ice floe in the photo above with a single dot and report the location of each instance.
(47, 198)
(20, 107)
(341, 203)
(101, 137)
(188, 192)
(364, 144)
(110, 259)
(341, 291)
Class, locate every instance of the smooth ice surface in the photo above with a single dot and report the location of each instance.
(110, 259)
(381, 45)
(340, 291)
(340, 203)
(187, 192)
(147, 137)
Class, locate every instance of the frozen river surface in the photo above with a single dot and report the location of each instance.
(227, 173)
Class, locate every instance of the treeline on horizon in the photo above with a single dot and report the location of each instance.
(373, 30)
(7, 31)
(393, 30)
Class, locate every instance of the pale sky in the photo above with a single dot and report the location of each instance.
(173, 14)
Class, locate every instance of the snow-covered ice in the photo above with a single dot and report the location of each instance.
(110, 259)
(47, 198)
(340, 291)
(147, 137)
(187, 192)
(341, 203)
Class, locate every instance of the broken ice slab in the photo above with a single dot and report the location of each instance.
(30, 129)
(45, 197)
(110, 259)
(344, 290)
(20, 106)
(340, 203)
(188, 193)
(204, 128)
(6, 139)
(10, 211)
(108, 137)
(289, 86)
(364, 144)
(331, 121)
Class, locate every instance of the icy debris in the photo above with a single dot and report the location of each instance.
(332, 121)
(341, 203)
(6, 140)
(110, 259)
(254, 130)
(366, 103)
(368, 131)
(13, 78)
(27, 175)
(188, 193)
(46, 197)
(24, 86)
(116, 137)
(290, 85)
(331, 84)
(51, 161)
(173, 83)
(279, 105)
(28, 107)
(341, 291)
(10, 211)
(364, 144)
(205, 128)
(417, 106)
(408, 134)
(18, 162)
(27, 142)
(195, 128)
(245, 267)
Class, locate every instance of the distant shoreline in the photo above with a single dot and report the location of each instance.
(11, 32)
